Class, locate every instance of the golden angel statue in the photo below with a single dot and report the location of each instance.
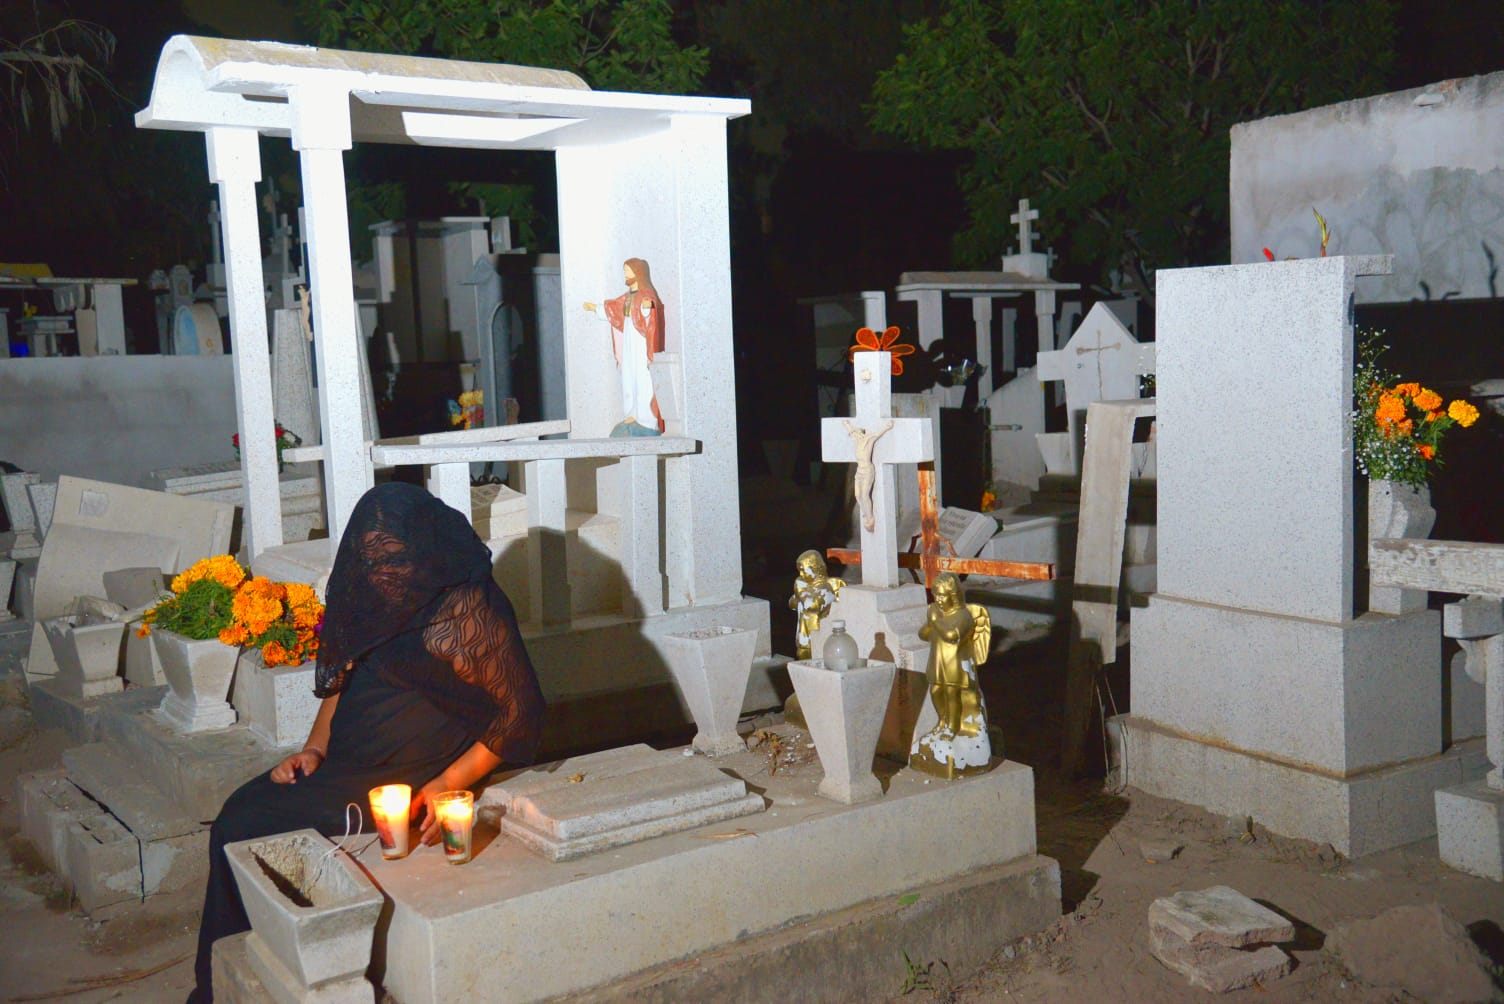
(814, 592)
(960, 637)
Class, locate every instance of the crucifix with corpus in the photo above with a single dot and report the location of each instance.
(876, 441)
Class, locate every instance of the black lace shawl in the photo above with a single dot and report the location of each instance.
(409, 567)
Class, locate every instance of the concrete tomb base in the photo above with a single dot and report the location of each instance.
(839, 890)
(1365, 812)
(1470, 829)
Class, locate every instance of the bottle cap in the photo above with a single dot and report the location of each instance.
(838, 625)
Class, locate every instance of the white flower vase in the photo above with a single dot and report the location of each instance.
(711, 668)
(87, 653)
(844, 710)
(1397, 510)
(313, 924)
(198, 675)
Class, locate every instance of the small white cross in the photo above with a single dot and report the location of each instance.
(893, 441)
(1026, 233)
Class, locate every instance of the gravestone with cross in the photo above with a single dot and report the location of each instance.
(876, 441)
(1101, 362)
(1027, 262)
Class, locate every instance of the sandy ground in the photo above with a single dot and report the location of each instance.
(1096, 951)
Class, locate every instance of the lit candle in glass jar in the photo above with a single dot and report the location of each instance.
(456, 812)
(389, 810)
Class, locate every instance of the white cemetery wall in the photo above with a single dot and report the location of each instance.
(1417, 174)
(115, 418)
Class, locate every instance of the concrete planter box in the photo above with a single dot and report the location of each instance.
(199, 674)
(325, 938)
(87, 651)
(711, 668)
(844, 710)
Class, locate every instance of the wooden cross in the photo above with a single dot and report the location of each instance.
(875, 441)
(929, 558)
(1024, 217)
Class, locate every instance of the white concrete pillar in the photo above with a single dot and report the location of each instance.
(110, 317)
(235, 166)
(641, 542)
(450, 484)
(931, 306)
(547, 553)
(981, 315)
(321, 134)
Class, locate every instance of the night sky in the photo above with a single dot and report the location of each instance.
(836, 209)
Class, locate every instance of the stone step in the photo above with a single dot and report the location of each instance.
(119, 784)
(195, 772)
(49, 802)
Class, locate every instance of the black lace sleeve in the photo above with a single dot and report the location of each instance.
(475, 631)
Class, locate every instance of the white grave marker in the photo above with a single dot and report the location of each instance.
(1101, 362)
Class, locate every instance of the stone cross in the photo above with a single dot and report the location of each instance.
(1024, 217)
(891, 441)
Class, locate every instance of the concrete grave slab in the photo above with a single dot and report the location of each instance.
(570, 818)
(99, 527)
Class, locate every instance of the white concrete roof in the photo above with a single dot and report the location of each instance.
(205, 82)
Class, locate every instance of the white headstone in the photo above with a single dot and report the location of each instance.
(1101, 362)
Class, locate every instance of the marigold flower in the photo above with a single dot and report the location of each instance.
(1426, 451)
(1463, 413)
(1427, 399)
(1391, 409)
(1407, 389)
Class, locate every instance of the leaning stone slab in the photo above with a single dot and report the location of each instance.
(1214, 967)
(580, 813)
(1218, 916)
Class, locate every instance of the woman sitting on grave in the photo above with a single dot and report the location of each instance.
(424, 680)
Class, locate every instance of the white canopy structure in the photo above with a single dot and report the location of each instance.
(639, 175)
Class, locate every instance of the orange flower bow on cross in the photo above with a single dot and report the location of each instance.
(868, 340)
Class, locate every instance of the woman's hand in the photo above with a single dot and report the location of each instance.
(429, 828)
(303, 762)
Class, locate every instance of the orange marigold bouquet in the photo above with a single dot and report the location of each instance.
(218, 598)
(1398, 425)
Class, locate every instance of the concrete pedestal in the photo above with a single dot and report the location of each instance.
(1368, 811)
(1470, 829)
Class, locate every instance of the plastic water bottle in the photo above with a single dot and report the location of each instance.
(839, 652)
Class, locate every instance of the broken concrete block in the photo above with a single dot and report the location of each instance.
(1217, 968)
(1418, 949)
(103, 861)
(1218, 916)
